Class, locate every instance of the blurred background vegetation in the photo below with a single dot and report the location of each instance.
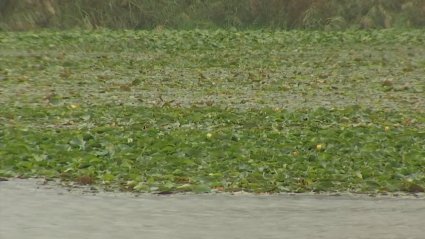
(21, 15)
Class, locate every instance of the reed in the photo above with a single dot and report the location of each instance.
(210, 14)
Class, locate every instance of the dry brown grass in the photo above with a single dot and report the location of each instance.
(241, 14)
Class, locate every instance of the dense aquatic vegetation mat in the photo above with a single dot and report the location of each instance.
(178, 111)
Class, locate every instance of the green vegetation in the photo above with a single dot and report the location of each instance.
(171, 111)
(211, 14)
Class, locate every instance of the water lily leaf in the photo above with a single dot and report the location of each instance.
(55, 101)
(250, 125)
(324, 186)
(202, 188)
(136, 82)
(109, 177)
(415, 188)
(78, 141)
(372, 184)
(359, 174)
(141, 187)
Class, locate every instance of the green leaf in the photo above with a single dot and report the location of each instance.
(415, 188)
(372, 184)
(202, 188)
(136, 82)
(141, 187)
(78, 141)
(109, 177)
(358, 174)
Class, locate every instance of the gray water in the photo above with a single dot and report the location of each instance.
(28, 210)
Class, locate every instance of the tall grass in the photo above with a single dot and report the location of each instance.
(188, 14)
